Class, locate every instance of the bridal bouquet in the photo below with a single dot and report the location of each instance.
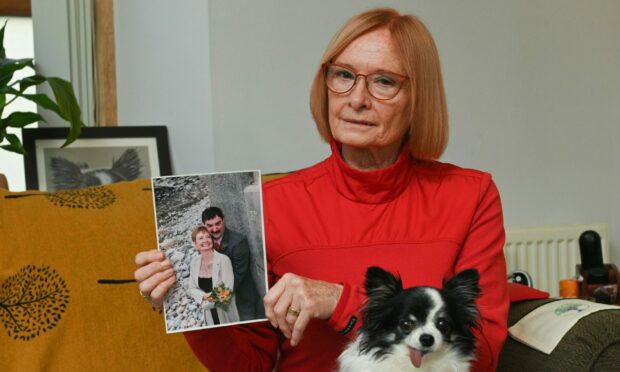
(221, 296)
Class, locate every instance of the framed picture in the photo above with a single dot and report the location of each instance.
(210, 226)
(101, 155)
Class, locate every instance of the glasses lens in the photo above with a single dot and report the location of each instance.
(383, 85)
(339, 79)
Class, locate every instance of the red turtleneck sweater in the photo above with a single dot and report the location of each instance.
(423, 220)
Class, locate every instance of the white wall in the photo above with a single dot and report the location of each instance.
(533, 91)
(535, 101)
(162, 75)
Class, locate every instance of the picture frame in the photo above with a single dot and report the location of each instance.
(101, 155)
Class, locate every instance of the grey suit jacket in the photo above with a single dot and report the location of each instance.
(235, 246)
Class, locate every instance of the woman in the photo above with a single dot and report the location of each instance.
(206, 270)
(379, 199)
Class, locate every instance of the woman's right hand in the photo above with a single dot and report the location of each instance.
(155, 276)
(207, 302)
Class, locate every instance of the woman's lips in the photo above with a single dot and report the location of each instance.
(360, 122)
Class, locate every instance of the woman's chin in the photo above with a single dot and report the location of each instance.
(355, 140)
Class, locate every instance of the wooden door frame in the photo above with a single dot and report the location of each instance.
(105, 64)
(15, 8)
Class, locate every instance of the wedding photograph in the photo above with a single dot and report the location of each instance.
(210, 226)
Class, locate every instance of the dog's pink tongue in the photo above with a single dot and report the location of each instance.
(416, 357)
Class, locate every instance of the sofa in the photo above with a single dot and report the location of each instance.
(68, 301)
(593, 344)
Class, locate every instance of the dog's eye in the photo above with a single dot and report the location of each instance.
(443, 325)
(406, 325)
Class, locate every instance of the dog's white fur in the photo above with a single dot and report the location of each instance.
(441, 358)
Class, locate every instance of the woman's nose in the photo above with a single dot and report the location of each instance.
(359, 96)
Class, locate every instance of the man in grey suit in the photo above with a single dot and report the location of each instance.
(235, 246)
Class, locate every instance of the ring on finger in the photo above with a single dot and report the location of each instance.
(145, 296)
(291, 310)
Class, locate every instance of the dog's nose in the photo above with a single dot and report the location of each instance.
(427, 340)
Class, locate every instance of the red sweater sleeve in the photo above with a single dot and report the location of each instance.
(248, 347)
(483, 250)
(347, 317)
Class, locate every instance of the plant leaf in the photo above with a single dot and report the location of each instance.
(9, 66)
(21, 119)
(29, 81)
(43, 101)
(2, 51)
(64, 102)
(9, 90)
(65, 98)
(63, 92)
(14, 144)
(75, 131)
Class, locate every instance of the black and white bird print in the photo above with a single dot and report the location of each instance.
(69, 175)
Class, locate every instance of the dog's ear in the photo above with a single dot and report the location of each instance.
(463, 289)
(381, 285)
(380, 312)
(465, 284)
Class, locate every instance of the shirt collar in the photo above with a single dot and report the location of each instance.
(370, 187)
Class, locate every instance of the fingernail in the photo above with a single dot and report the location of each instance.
(165, 263)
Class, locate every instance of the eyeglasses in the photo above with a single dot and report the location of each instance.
(381, 85)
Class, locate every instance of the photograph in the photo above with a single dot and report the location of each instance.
(210, 226)
(100, 156)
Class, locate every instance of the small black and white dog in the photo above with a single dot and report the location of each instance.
(415, 329)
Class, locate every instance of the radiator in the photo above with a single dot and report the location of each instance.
(549, 254)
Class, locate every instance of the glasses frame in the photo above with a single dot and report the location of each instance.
(402, 78)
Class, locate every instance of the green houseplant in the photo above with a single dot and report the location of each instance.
(63, 103)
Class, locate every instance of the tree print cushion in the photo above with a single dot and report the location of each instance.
(68, 301)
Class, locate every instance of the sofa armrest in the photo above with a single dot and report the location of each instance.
(593, 344)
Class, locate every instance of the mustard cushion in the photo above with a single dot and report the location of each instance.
(67, 302)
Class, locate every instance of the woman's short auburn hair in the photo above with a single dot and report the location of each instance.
(428, 115)
(197, 230)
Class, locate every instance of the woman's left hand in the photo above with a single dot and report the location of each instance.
(294, 300)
